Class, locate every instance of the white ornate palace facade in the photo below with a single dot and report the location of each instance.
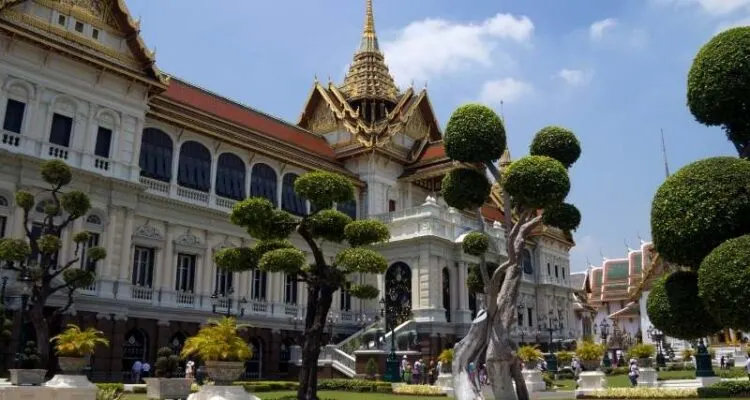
(164, 161)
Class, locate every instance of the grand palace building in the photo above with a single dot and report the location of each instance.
(164, 160)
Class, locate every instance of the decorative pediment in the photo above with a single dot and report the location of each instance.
(225, 244)
(322, 120)
(146, 231)
(188, 239)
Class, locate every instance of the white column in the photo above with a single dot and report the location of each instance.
(203, 277)
(127, 245)
(109, 272)
(162, 279)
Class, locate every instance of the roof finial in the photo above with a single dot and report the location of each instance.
(664, 152)
(316, 78)
(369, 38)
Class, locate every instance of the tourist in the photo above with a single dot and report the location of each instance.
(483, 377)
(473, 373)
(722, 362)
(402, 369)
(136, 371)
(190, 370)
(634, 373)
(423, 371)
(747, 368)
(439, 368)
(416, 372)
(145, 369)
(408, 373)
(576, 368)
(431, 373)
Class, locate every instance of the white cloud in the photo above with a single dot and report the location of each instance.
(434, 47)
(599, 28)
(506, 90)
(585, 247)
(575, 77)
(713, 7)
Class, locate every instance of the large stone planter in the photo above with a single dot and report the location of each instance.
(591, 365)
(167, 388)
(27, 377)
(645, 362)
(530, 365)
(224, 372)
(72, 365)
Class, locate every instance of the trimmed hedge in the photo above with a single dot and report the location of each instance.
(117, 387)
(556, 142)
(474, 133)
(340, 385)
(723, 281)
(726, 389)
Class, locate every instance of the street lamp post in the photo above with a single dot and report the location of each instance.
(391, 362)
(2, 290)
(227, 297)
(657, 337)
(333, 319)
(603, 329)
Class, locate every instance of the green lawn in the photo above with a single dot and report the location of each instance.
(324, 395)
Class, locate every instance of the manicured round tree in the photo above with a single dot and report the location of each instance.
(719, 86)
(699, 207)
(723, 281)
(474, 133)
(556, 142)
(531, 187)
(52, 277)
(674, 306)
(273, 252)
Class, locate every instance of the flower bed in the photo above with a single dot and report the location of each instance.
(739, 389)
(341, 385)
(418, 390)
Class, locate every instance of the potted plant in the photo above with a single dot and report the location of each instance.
(74, 347)
(564, 358)
(643, 353)
(687, 354)
(530, 355)
(29, 373)
(446, 361)
(167, 384)
(371, 369)
(221, 348)
(590, 354)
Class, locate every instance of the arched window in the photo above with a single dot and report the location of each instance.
(195, 167)
(290, 201)
(260, 279)
(263, 183)
(156, 155)
(349, 208)
(254, 366)
(134, 348)
(345, 299)
(4, 201)
(528, 266)
(230, 177)
(223, 282)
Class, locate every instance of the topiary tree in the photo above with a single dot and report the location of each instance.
(273, 252)
(533, 190)
(167, 363)
(700, 220)
(719, 86)
(35, 257)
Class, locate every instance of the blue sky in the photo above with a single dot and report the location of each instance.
(612, 71)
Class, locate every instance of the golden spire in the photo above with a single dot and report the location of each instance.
(369, 38)
(368, 77)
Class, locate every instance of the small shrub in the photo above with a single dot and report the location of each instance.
(167, 363)
(529, 353)
(589, 351)
(109, 393)
(418, 390)
(113, 386)
(687, 353)
(371, 368)
(642, 350)
(564, 357)
(29, 358)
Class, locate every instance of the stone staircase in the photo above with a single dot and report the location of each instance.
(341, 356)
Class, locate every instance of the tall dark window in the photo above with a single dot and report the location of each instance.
(143, 267)
(391, 205)
(156, 155)
(520, 318)
(259, 284)
(224, 281)
(195, 167)
(36, 233)
(530, 313)
(263, 183)
(562, 270)
(528, 266)
(62, 127)
(549, 270)
(3, 223)
(290, 289)
(230, 177)
(447, 294)
(345, 298)
(86, 262)
(290, 201)
(185, 279)
(14, 116)
(557, 272)
(349, 208)
(103, 142)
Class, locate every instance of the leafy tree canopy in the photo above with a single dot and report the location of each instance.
(558, 143)
(699, 207)
(563, 215)
(675, 307)
(324, 188)
(475, 134)
(719, 85)
(724, 283)
(536, 181)
(465, 188)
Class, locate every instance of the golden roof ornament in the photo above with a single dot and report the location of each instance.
(368, 77)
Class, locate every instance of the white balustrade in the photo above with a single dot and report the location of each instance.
(10, 140)
(223, 202)
(101, 163)
(141, 293)
(193, 196)
(185, 299)
(154, 185)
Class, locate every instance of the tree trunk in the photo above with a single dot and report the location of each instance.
(466, 351)
(41, 328)
(319, 303)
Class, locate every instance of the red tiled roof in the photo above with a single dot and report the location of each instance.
(492, 213)
(433, 151)
(223, 108)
